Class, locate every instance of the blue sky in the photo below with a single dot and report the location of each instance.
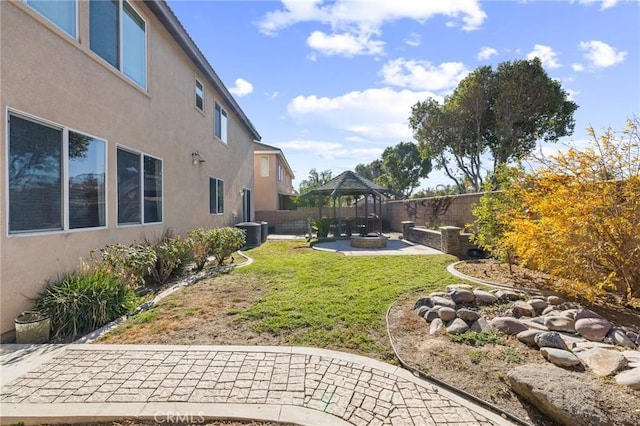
(332, 82)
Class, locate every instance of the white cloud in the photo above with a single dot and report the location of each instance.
(374, 114)
(357, 20)
(242, 87)
(577, 67)
(413, 40)
(600, 54)
(547, 56)
(486, 52)
(422, 75)
(606, 4)
(345, 44)
(331, 150)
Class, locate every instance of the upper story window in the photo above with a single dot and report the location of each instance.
(220, 118)
(264, 166)
(199, 95)
(139, 188)
(279, 171)
(56, 178)
(118, 35)
(61, 12)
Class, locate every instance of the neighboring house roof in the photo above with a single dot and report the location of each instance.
(263, 148)
(165, 15)
(349, 183)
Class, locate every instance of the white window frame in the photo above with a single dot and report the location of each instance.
(197, 95)
(141, 155)
(224, 124)
(217, 181)
(120, 67)
(75, 29)
(264, 166)
(64, 181)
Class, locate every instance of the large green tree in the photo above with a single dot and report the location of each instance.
(494, 117)
(403, 168)
(371, 171)
(313, 181)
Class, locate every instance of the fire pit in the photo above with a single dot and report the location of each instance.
(371, 241)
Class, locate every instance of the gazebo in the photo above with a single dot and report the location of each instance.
(350, 184)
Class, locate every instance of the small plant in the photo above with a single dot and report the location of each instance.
(474, 338)
(83, 301)
(321, 226)
(511, 354)
(475, 356)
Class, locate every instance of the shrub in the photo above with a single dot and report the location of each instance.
(584, 211)
(200, 247)
(132, 264)
(225, 242)
(84, 301)
(172, 254)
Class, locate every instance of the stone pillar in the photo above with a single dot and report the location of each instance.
(450, 240)
(407, 225)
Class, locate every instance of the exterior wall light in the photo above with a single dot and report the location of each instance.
(196, 158)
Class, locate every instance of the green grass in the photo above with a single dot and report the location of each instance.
(328, 300)
(474, 338)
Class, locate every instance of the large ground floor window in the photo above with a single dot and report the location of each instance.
(56, 177)
(139, 188)
(216, 196)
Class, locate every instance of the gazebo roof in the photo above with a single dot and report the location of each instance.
(349, 183)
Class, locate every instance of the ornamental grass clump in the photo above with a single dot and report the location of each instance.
(84, 301)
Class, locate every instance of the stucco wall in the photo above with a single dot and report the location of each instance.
(46, 74)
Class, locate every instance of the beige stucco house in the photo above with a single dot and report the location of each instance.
(115, 127)
(273, 179)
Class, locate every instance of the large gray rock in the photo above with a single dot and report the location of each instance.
(560, 323)
(593, 328)
(422, 310)
(617, 336)
(454, 287)
(457, 326)
(423, 301)
(484, 297)
(630, 378)
(560, 357)
(432, 313)
(603, 362)
(507, 325)
(442, 301)
(446, 314)
(562, 395)
(550, 339)
(538, 304)
(480, 325)
(533, 323)
(551, 308)
(586, 313)
(555, 300)
(633, 358)
(436, 327)
(507, 295)
(468, 315)
(528, 336)
(462, 296)
(523, 309)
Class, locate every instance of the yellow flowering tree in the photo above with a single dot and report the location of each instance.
(582, 215)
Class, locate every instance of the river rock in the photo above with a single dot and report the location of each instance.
(481, 325)
(560, 357)
(462, 296)
(446, 314)
(586, 313)
(442, 301)
(468, 315)
(432, 313)
(523, 309)
(593, 328)
(633, 358)
(630, 378)
(562, 395)
(551, 310)
(538, 304)
(603, 362)
(423, 301)
(507, 325)
(569, 313)
(560, 323)
(555, 300)
(454, 287)
(457, 326)
(528, 336)
(484, 297)
(436, 327)
(550, 339)
(438, 294)
(422, 310)
(617, 336)
(507, 295)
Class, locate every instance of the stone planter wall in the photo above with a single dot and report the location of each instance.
(448, 239)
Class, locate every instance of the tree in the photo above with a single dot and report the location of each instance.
(315, 180)
(371, 171)
(499, 114)
(403, 168)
